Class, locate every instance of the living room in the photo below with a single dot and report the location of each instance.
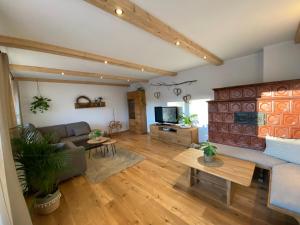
(121, 112)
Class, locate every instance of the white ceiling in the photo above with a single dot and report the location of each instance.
(228, 28)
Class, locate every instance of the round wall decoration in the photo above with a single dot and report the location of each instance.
(186, 98)
(177, 91)
(157, 94)
(86, 99)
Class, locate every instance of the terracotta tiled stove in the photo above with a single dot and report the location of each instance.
(279, 102)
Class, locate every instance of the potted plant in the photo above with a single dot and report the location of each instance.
(40, 104)
(209, 151)
(187, 120)
(38, 165)
(95, 134)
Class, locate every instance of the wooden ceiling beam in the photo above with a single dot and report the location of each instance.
(297, 37)
(137, 16)
(68, 81)
(58, 50)
(25, 68)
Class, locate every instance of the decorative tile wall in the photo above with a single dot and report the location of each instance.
(279, 100)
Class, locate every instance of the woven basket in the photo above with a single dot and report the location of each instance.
(48, 204)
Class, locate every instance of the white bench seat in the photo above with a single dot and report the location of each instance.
(258, 157)
(285, 187)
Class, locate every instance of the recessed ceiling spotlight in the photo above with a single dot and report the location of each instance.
(62, 73)
(142, 69)
(204, 57)
(128, 80)
(105, 62)
(177, 43)
(118, 11)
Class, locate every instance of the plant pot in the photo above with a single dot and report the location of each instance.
(209, 158)
(47, 204)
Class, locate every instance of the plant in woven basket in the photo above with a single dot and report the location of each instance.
(39, 165)
(39, 104)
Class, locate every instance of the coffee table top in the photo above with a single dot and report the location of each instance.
(231, 169)
(98, 140)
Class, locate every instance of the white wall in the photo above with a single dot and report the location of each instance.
(62, 108)
(282, 61)
(237, 71)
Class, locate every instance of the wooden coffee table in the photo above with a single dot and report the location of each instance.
(95, 143)
(227, 168)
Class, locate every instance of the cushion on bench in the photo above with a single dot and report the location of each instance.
(258, 157)
(285, 187)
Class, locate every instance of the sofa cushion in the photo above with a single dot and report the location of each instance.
(57, 132)
(31, 134)
(282, 148)
(80, 127)
(258, 157)
(75, 138)
(285, 187)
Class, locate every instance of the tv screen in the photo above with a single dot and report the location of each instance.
(166, 114)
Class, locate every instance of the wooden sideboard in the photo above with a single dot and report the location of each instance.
(174, 134)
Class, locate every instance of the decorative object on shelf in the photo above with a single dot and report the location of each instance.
(140, 89)
(209, 151)
(177, 91)
(88, 103)
(174, 84)
(40, 103)
(95, 134)
(187, 98)
(50, 160)
(157, 95)
(187, 120)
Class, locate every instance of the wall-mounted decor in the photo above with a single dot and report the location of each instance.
(85, 102)
(177, 91)
(186, 98)
(250, 118)
(174, 84)
(40, 103)
(156, 94)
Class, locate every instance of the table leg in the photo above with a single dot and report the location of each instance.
(228, 192)
(90, 153)
(191, 176)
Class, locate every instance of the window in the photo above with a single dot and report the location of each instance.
(200, 108)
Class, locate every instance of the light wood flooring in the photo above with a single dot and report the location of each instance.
(155, 192)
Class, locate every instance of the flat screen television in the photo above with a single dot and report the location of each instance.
(166, 114)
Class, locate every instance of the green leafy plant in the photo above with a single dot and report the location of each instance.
(188, 119)
(38, 165)
(40, 104)
(95, 133)
(208, 148)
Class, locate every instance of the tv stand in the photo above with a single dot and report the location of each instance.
(174, 134)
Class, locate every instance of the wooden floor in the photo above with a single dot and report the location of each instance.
(155, 192)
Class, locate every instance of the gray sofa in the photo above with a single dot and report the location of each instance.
(70, 134)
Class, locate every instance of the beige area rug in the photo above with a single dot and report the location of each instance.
(99, 167)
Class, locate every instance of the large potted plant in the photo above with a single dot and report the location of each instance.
(38, 165)
(209, 151)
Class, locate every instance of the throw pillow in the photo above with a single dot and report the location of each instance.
(81, 130)
(282, 148)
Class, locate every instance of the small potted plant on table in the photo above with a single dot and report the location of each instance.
(209, 151)
(95, 134)
(187, 120)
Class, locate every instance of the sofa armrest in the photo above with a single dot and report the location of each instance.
(76, 161)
